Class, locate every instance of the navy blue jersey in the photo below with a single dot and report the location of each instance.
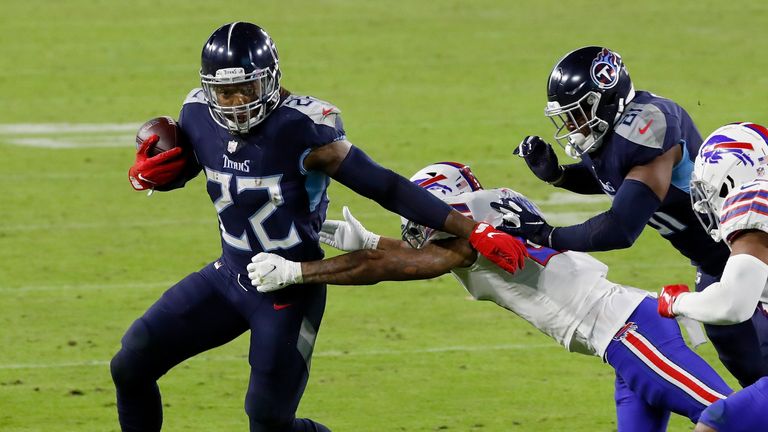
(264, 199)
(649, 127)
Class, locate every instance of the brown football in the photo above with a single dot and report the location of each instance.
(165, 128)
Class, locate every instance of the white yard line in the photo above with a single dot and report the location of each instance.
(104, 225)
(86, 287)
(69, 135)
(319, 354)
(57, 128)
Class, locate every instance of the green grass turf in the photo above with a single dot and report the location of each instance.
(83, 255)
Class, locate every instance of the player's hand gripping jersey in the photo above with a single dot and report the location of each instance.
(264, 198)
(562, 293)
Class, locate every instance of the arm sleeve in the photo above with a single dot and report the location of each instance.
(579, 178)
(393, 192)
(617, 228)
(733, 299)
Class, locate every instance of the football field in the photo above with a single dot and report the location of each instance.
(82, 255)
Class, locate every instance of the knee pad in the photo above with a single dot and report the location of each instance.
(127, 366)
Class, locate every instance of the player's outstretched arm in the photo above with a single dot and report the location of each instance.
(639, 196)
(391, 261)
(734, 298)
(354, 169)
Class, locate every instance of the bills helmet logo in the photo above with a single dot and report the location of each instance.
(718, 146)
(605, 69)
(434, 183)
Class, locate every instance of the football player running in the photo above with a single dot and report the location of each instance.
(563, 293)
(268, 156)
(638, 148)
(730, 195)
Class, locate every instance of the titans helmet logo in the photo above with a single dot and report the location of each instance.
(605, 69)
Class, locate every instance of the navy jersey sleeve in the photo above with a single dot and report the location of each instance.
(322, 120)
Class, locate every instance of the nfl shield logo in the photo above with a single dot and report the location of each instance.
(232, 146)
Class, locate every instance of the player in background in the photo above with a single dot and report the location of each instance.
(268, 157)
(638, 148)
(564, 294)
(730, 195)
(743, 411)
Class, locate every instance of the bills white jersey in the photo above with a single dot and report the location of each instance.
(564, 294)
(746, 208)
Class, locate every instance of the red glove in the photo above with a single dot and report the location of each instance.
(148, 172)
(499, 247)
(667, 297)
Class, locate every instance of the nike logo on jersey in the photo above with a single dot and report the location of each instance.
(327, 111)
(644, 129)
(278, 307)
(493, 234)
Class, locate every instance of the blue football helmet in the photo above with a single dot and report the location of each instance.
(587, 91)
(240, 76)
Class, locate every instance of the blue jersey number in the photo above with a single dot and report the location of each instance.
(272, 185)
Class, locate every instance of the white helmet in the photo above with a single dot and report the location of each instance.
(443, 180)
(731, 156)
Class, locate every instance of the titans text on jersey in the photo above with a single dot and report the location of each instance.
(264, 198)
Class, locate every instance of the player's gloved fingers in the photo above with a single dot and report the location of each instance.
(512, 219)
(147, 144)
(351, 219)
(508, 206)
(167, 156)
(524, 148)
(509, 229)
(170, 168)
(330, 226)
(259, 257)
(327, 239)
(506, 263)
(266, 288)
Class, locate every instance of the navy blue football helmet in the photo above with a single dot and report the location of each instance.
(587, 91)
(240, 75)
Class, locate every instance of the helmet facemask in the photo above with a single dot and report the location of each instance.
(260, 88)
(416, 235)
(707, 203)
(443, 180)
(579, 129)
